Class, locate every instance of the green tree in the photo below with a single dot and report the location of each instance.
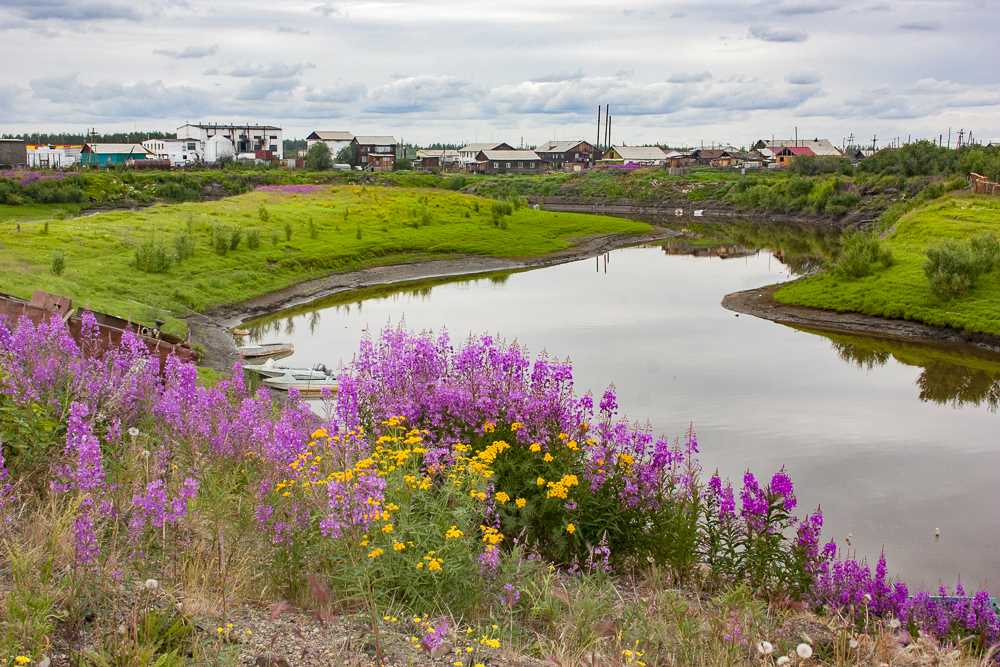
(347, 155)
(318, 157)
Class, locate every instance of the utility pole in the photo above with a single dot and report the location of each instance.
(949, 137)
(598, 145)
(961, 135)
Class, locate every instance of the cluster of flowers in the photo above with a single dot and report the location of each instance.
(484, 421)
(28, 177)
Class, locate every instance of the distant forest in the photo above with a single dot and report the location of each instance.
(78, 138)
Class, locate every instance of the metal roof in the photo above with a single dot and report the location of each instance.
(511, 155)
(116, 148)
(558, 146)
(640, 152)
(331, 135)
(375, 140)
(817, 146)
(230, 126)
(437, 152)
(476, 147)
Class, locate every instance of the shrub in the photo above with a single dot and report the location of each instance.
(274, 237)
(318, 157)
(263, 213)
(288, 231)
(253, 238)
(220, 240)
(58, 263)
(152, 256)
(953, 268)
(860, 255)
(45, 227)
(357, 234)
(235, 236)
(183, 247)
(313, 229)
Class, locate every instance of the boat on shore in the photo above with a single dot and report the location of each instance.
(265, 350)
(307, 387)
(269, 369)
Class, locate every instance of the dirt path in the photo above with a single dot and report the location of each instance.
(760, 303)
(211, 330)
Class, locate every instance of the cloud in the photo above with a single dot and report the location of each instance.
(328, 9)
(272, 71)
(266, 88)
(292, 30)
(115, 99)
(72, 10)
(803, 78)
(920, 26)
(689, 77)
(806, 7)
(560, 76)
(769, 34)
(419, 93)
(190, 52)
(339, 94)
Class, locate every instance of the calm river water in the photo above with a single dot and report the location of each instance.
(893, 441)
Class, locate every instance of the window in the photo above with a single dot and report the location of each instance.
(273, 148)
(274, 136)
(496, 165)
(192, 146)
(508, 165)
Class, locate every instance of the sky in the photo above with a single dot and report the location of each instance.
(675, 72)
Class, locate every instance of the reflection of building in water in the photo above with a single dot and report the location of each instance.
(723, 251)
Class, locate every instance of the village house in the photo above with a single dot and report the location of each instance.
(470, 152)
(13, 154)
(643, 156)
(437, 159)
(264, 142)
(180, 152)
(375, 152)
(335, 140)
(112, 155)
(53, 156)
(506, 162)
(714, 157)
(573, 154)
(819, 147)
(784, 156)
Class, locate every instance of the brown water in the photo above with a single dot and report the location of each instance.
(893, 440)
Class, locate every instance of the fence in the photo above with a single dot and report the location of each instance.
(982, 185)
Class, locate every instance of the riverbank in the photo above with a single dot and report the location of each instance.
(211, 330)
(901, 292)
(760, 302)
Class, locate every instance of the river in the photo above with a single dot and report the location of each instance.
(894, 441)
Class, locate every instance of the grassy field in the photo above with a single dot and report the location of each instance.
(902, 291)
(301, 236)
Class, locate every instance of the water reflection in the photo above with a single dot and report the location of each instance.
(947, 377)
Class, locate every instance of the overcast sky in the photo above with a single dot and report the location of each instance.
(674, 71)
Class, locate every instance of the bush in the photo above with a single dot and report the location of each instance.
(288, 231)
(253, 238)
(220, 240)
(235, 236)
(152, 256)
(318, 157)
(58, 263)
(263, 214)
(183, 247)
(953, 268)
(313, 229)
(860, 255)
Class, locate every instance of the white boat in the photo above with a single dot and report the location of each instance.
(270, 369)
(306, 386)
(265, 350)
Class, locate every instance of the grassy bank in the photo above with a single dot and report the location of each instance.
(902, 290)
(244, 246)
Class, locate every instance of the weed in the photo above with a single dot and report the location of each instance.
(58, 264)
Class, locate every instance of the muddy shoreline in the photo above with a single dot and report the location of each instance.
(760, 302)
(210, 330)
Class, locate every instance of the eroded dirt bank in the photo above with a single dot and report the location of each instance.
(210, 330)
(760, 303)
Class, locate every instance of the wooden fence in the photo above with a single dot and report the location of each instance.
(982, 185)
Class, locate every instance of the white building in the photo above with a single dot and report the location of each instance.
(469, 152)
(245, 138)
(219, 148)
(180, 152)
(335, 140)
(53, 156)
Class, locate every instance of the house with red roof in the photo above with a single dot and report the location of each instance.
(784, 155)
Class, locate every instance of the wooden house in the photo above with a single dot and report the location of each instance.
(437, 159)
(714, 157)
(559, 154)
(470, 152)
(112, 155)
(643, 156)
(382, 150)
(784, 156)
(506, 162)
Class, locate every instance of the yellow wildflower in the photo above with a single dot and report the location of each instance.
(548, 458)
(489, 427)
(540, 481)
(520, 502)
(501, 497)
(387, 528)
(570, 528)
(434, 565)
(398, 546)
(319, 433)
(490, 642)
(571, 444)
(375, 553)
(453, 533)
(535, 447)
(516, 426)
(22, 660)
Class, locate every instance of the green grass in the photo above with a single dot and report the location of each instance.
(902, 291)
(31, 212)
(395, 225)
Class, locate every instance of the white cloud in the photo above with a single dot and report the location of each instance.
(773, 34)
(189, 52)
